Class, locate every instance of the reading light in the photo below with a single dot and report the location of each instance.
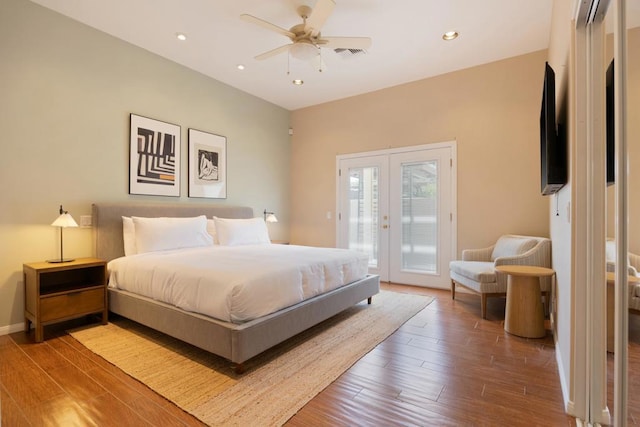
(269, 217)
(298, 82)
(450, 35)
(63, 221)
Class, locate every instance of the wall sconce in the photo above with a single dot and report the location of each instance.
(269, 217)
(63, 221)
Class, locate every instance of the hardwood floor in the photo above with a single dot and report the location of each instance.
(446, 366)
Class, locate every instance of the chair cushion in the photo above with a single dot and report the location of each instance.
(475, 270)
(511, 246)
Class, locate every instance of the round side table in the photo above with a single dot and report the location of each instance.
(524, 315)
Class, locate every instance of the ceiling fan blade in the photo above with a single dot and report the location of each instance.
(345, 42)
(319, 16)
(267, 25)
(274, 52)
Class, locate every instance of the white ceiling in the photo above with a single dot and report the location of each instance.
(406, 38)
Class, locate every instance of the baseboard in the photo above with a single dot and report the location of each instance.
(16, 327)
(568, 403)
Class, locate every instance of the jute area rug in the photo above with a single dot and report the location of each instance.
(276, 384)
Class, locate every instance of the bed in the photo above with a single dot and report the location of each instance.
(237, 340)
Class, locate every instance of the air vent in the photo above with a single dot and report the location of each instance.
(347, 53)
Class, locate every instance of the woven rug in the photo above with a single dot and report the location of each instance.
(276, 384)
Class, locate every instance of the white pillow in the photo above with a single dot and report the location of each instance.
(161, 234)
(129, 236)
(234, 232)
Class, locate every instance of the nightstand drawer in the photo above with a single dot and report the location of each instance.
(72, 304)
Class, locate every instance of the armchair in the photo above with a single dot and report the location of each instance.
(634, 266)
(476, 271)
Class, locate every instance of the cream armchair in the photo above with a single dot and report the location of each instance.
(476, 271)
(634, 267)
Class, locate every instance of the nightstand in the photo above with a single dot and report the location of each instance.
(57, 292)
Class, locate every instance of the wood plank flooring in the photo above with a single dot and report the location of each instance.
(445, 367)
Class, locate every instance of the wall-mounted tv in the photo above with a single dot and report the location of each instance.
(553, 152)
(610, 123)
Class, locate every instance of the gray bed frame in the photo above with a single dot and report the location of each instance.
(235, 342)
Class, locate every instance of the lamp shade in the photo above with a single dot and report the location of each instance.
(271, 218)
(64, 220)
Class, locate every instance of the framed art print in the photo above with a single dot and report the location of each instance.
(154, 158)
(207, 165)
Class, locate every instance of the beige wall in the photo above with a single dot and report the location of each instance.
(492, 111)
(67, 91)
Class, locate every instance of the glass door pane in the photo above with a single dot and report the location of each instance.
(419, 213)
(363, 212)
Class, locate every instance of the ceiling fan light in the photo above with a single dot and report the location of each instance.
(303, 51)
(450, 35)
(298, 82)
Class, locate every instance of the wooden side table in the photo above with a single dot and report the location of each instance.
(63, 291)
(524, 315)
(611, 307)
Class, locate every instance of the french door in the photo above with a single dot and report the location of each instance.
(397, 206)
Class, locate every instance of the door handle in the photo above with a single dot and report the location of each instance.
(385, 226)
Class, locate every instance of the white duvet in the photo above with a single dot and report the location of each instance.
(237, 283)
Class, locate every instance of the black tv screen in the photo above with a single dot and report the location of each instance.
(610, 123)
(553, 155)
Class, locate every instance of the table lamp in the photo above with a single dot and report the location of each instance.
(63, 221)
(269, 217)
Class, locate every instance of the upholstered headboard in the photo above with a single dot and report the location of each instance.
(107, 220)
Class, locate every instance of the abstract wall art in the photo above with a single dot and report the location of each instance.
(154, 158)
(207, 165)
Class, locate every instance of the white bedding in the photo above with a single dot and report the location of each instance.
(237, 283)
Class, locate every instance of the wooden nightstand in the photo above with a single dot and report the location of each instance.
(58, 292)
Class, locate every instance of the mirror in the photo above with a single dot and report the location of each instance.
(633, 143)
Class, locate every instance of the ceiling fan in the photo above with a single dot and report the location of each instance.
(306, 40)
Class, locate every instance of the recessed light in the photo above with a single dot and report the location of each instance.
(181, 36)
(450, 35)
(240, 67)
(298, 82)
